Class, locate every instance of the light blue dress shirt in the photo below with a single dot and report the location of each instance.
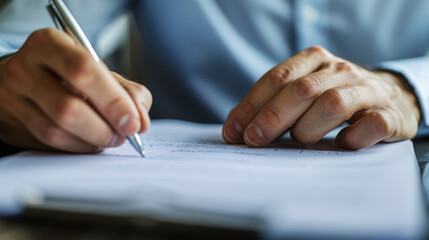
(202, 56)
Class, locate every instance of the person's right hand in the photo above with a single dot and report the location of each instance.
(39, 107)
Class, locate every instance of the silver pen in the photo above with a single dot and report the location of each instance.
(64, 20)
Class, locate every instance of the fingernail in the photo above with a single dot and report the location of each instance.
(113, 140)
(233, 132)
(254, 135)
(129, 125)
(119, 141)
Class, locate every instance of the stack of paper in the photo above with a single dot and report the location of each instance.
(317, 191)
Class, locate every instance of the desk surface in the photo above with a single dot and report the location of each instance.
(25, 231)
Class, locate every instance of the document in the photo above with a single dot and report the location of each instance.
(293, 190)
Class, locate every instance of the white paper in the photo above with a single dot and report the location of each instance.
(298, 191)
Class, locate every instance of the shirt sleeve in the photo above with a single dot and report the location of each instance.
(19, 18)
(6, 49)
(416, 71)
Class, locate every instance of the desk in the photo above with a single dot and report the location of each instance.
(25, 231)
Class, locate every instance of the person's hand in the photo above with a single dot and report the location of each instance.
(54, 95)
(314, 92)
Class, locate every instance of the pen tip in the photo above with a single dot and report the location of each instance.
(142, 153)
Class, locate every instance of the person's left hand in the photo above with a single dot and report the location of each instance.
(313, 92)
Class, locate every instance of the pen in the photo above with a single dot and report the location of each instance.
(64, 20)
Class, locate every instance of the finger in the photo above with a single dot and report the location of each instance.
(75, 65)
(269, 86)
(331, 109)
(42, 128)
(67, 110)
(287, 107)
(374, 127)
(142, 99)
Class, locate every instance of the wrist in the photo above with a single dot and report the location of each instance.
(401, 86)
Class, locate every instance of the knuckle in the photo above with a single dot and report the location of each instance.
(67, 111)
(138, 92)
(36, 38)
(380, 124)
(146, 94)
(40, 36)
(113, 105)
(307, 87)
(40, 39)
(278, 77)
(347, 67)
(334, 103)
(245, 109)
(318, 50)
(140, 89)
(344, 66)
(80, 67)
(148, 98)
(272, 116)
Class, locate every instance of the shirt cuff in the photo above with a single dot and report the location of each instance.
(416, 72)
